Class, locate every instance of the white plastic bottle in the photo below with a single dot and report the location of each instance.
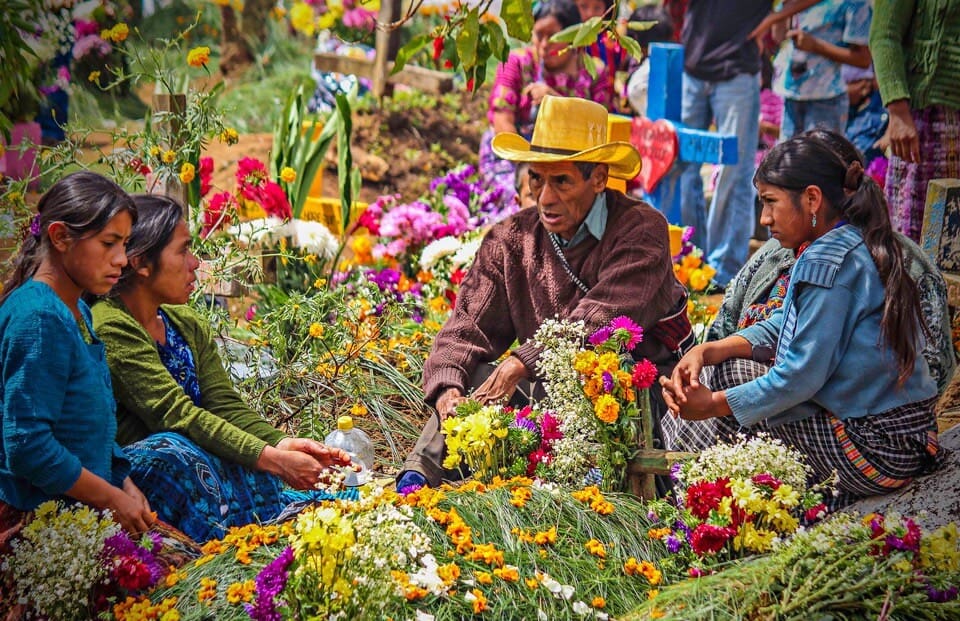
(357, 445)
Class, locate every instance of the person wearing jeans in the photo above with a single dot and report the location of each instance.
(721, 84)
(726, 229)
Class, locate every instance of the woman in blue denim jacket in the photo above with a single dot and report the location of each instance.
(836, 371)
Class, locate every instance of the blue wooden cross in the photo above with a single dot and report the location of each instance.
(664, 94)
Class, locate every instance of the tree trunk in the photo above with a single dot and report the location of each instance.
(235, 54)
(256, 13)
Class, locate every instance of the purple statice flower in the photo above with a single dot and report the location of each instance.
(601, 336)
(675, 468)
(941, 595)
(607, 382)
(674, 543)
(270, 582)
(409, 489)
(416, 316)
(120, 545)
(681, 527)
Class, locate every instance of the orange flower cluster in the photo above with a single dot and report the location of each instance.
(592, 496)
(132, 609)
(596, 548)
(644, 568)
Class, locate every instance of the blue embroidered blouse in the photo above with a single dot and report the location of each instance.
(829, 352)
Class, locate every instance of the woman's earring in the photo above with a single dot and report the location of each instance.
(814, 221)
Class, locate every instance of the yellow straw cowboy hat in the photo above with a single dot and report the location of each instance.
(570, 129)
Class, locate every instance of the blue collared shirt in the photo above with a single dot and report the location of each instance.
(829, 349)
(594, 224)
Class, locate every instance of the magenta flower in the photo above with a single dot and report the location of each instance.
(601, 336)
(627, 331)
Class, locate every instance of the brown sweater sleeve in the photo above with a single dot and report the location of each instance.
(478, 330)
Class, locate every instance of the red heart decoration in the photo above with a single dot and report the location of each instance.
(657, 143)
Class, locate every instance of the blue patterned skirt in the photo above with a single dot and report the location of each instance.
(203, 495)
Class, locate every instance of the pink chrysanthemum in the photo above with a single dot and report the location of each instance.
(629, 333)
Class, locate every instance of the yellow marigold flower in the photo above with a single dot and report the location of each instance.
(288, 175)
(546, 537)
(316, 330)
(171, 615)
(607, 409)
(94, 76)
(358, 409)
(198, 56)
(531, 583)
(658, 533)
(448, 573)
(208, 589)
(649, 571)
(302, 18)
(508, 573)
(598, 602)
(596, 548)
(240, 592)
(519, 496)
(154, 151)
(439, 305)
(699, 279)
(478, 599)
(187, 172)
(169, 157)
(483, 577)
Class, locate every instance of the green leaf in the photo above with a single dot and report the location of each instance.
(518, 16)
(632, 47)
(638, 26)
(344, 159)
(567, 35)
(408, 51)
(588, 32)
(468, 38)
(496, 40)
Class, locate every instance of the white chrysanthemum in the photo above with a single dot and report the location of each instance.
(437, 249)
(260, 231)
(315, 238)
(464, 255)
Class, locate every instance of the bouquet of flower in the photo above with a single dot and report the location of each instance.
(71, 563)
(735, 501)
(846, 567)
(491, 440)
(695, 274)
(597, 395)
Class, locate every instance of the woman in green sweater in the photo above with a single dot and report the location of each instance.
(204, 459)
(916, 55)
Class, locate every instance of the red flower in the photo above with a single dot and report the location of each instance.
(216, 213)
(457, 276)
(710, 539)
(815, 512)
(470, 85)
(437, 48)
(132, 574)
(451, 296)
(766, 480)
(644, 374)
(206, 174)
(704, 496)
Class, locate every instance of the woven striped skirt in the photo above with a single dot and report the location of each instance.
(870, 455)
(938, 128)
(203, 495)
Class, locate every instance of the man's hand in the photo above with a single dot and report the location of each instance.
(502, 383)
(804, 41)
(904, 141)
(448, 401)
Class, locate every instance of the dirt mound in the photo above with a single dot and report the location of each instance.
(397, 149)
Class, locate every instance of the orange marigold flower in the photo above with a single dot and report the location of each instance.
(598, 602)
(658, 533)
(546, 537)
(198, 56)
(448, 573)
(507, 574)
(483, 577)
(596, 548)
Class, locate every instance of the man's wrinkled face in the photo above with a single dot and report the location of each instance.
(564, 197)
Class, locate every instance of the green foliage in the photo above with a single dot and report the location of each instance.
(19, 98)
(295, 146)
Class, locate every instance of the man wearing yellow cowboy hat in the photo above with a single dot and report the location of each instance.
(585, 253)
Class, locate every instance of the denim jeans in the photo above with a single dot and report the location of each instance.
(723, 232)
(800, 116)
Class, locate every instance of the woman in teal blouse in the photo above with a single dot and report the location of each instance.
(57, 405)
(204, 459)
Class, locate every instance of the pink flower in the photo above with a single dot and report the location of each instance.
(766, 480)
(206, 174)
(550, 428)
(644, 374)
(628, 331)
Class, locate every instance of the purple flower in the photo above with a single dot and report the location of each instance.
(601, 336)
(521, 421)
(607, 382)
(675, 468)
(270, 582)
(941, 596)
(673, 543)
(409, 489)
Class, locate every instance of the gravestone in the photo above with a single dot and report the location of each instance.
(940, 236)
(664, 98)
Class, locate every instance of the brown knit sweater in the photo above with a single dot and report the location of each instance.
(517, 281)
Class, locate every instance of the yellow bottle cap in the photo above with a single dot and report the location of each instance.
(345, 423)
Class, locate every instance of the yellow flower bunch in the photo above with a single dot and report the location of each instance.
(692, 272)
(473, 439)
(322, 539)
(117, 34)
(135, 609)
(592, 496)
(941, 549)
(643, 568)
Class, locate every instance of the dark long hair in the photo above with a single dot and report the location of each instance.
(84, 202)
(853, 196)
(564, 10)
(158, 218)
